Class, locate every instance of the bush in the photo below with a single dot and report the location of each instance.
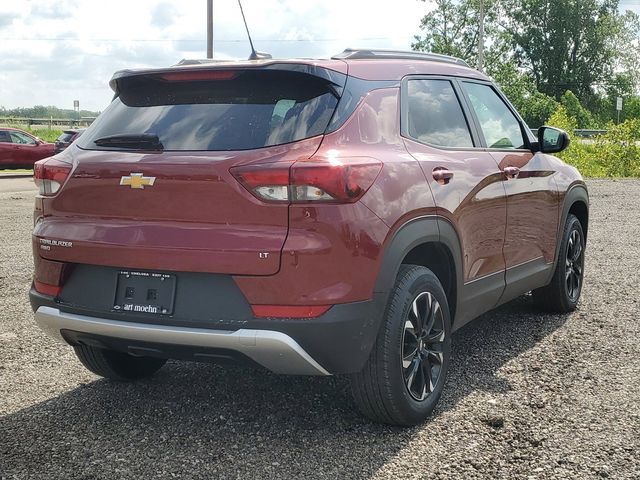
(615, 154)
(618, 151)
(562, 119)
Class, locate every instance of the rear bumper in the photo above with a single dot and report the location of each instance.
(337, 342)
(273, 350)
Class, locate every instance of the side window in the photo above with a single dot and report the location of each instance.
(4, 136)
(280, 111)
(435, 115)
(18, 137)
(500, 127)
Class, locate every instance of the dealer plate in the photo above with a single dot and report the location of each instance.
(145, 292)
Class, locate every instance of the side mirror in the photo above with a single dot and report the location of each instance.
(552, 140)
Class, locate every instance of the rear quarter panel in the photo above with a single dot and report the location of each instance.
(333, 253)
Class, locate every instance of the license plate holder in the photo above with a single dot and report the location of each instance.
(145, 292)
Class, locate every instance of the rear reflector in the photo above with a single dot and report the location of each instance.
(331, 179)
(49, 175)
(289, 311)
(46, 289)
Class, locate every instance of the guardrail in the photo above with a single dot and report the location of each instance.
(50, 122)
(589, 133)
(580, 132)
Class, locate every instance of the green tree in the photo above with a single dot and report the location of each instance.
(569, 44)
(631, 108)
(537, 108)
(40, 111)
(451, 28)
(583, 117)
(622, 84)
(519, 87)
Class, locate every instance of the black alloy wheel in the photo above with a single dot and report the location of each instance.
(562, 294)
(574, 265)
(422, 349)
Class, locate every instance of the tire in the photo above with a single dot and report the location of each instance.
(384, 390)
(563, 293)
(117, 365)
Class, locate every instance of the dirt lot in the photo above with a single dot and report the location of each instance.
(529, 395)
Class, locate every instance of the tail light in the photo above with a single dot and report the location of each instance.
(50, 174)
(330, 179)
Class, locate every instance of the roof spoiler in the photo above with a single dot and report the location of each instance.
(336, 78)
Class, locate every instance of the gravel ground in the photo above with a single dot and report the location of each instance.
(530, 395)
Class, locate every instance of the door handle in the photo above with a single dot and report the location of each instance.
(511, 172)
(442, 175)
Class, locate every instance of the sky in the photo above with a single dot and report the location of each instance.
(56, 51)
(53, 52)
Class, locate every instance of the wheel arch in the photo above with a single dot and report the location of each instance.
(431, 242)
(580, 208)
(576, 202)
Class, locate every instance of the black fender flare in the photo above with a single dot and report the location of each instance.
(415, 232)
(576, 193)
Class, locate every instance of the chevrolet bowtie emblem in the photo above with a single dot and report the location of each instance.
(137, 180)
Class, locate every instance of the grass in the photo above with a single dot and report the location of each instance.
(46, 134)
(18, 171)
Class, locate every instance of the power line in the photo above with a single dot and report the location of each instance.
(192, 40)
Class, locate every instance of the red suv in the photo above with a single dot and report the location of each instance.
(313, 217)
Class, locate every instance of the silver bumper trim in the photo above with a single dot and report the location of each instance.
(273, 350)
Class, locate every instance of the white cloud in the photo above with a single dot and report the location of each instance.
(163, 15)
(58, 51)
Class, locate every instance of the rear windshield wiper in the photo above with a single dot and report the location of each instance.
(137, 141)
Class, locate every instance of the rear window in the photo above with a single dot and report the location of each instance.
(435, 115)
(65, 137)
(240, 111)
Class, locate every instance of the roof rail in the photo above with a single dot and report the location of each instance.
(374, 53)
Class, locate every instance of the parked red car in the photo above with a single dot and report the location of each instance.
(19, 149)
(316, 217)
(66, 138)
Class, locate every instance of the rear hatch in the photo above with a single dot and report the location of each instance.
(151, 186)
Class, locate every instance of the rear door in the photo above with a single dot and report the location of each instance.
(465, 180)
(26, 148)
(532, 203)
(178, 207)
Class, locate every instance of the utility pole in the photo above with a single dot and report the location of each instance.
(481, 38)
(209, 28)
